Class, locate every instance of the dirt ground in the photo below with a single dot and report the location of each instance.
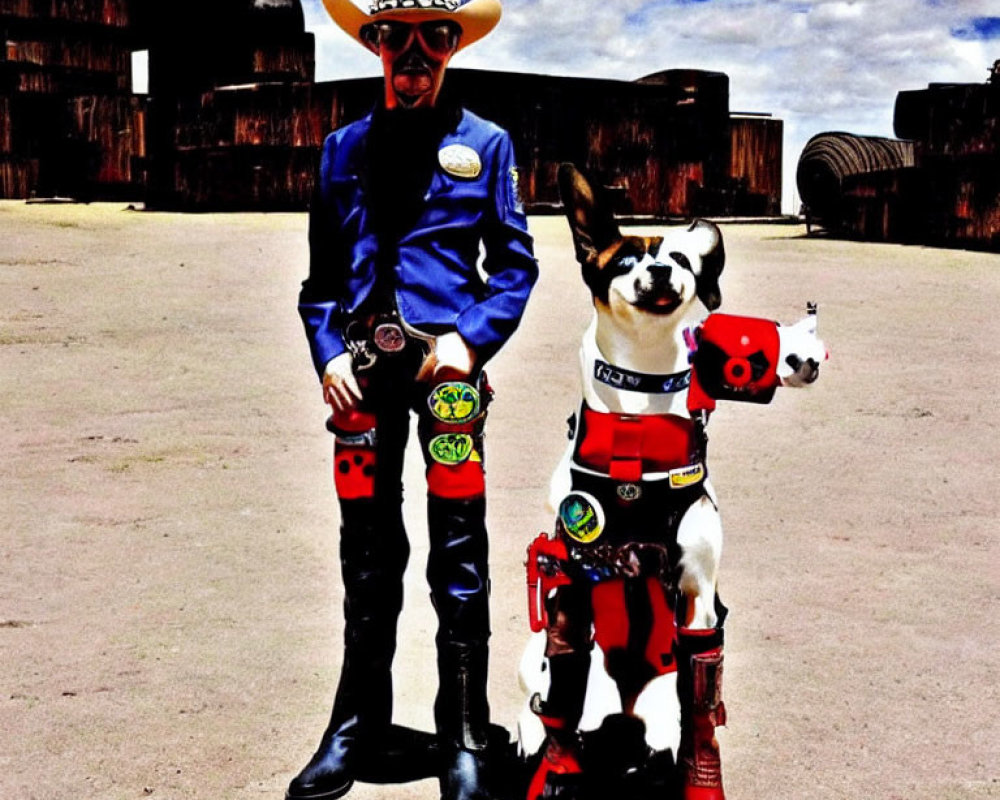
(169, 590)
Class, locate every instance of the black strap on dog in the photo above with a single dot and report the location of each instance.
(645, 382)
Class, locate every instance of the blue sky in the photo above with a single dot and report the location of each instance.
(819, 65)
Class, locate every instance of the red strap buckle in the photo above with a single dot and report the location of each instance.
(626, 462)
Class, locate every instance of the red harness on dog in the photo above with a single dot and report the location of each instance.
(625, 447)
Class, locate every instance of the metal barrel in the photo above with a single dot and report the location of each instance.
(830, 158)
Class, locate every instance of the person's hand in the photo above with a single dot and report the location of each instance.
(450, 358)
(340, 387)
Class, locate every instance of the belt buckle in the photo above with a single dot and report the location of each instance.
(388, 336)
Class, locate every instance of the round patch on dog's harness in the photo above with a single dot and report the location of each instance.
(582, 517)
(454, 402)
(451, 448)
(629, 491)
(461, 161)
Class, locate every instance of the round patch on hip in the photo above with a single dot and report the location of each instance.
(454, 402)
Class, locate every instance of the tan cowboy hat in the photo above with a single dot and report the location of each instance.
(475, 17)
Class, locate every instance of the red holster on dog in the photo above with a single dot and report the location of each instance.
(736, 359)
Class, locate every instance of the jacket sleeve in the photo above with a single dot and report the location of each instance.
(510, 263)
(319, 300)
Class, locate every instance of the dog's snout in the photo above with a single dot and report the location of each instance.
(659, 273)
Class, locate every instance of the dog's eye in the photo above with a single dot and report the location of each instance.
(622, 266)
(682, 261)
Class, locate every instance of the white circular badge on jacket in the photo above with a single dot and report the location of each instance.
(460, 160)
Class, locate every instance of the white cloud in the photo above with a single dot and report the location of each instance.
(817, 64)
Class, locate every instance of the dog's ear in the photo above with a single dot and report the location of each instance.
(708, 244)
(590, 218)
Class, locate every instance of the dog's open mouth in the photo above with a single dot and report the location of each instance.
(659, 302)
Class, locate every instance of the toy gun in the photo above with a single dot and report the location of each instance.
(747, 358)
(545, 559)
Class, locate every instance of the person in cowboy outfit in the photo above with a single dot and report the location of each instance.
(401, 314)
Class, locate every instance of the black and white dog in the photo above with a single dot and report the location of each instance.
(623, 594)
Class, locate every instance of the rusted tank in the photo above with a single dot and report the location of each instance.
(247, 147)
(830, 159)
(661, 144)
(951, 120)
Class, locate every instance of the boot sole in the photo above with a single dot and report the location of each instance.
(327, 794)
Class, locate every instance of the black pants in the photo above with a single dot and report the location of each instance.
(375, 548)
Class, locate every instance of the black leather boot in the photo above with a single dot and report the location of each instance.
(459, 579)
(330, 772)
(474, 753)
(374, 551)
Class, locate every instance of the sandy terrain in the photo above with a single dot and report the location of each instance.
(169, 599)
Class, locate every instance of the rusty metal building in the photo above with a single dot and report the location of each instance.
(939, 183)
(234, 118)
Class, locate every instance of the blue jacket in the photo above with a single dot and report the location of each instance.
(438, 285)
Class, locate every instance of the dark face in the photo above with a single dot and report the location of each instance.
(414, 57)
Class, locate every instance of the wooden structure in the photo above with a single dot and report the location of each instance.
(956, 133)
(850, 184)
(223, 106)
(664, 145)
(756, 147)
(68, 120)
(940, 185)
(235, 120)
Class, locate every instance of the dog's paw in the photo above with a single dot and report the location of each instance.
(801, 352)
(803, 372)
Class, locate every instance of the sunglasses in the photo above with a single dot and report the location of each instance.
(437, 37)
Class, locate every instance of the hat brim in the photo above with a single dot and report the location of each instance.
(476, 18)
